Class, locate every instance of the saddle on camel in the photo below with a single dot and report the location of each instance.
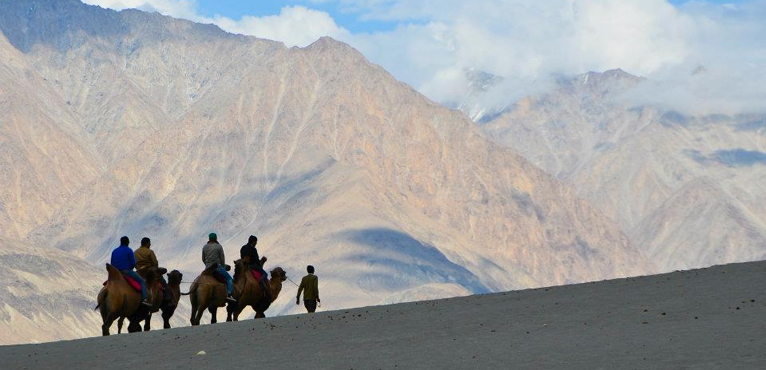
(156, 296)
(121, 298)
(207, 292)
(249, 291)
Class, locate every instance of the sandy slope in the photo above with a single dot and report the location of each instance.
(702, 319)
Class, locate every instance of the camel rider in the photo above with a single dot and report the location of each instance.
(249, 250)
(145, 258)
(123, 260)
(212, 254)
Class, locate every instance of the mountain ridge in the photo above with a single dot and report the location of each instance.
(322, 154)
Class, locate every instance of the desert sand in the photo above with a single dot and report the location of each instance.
(713, 318)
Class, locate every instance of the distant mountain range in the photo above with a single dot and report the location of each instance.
(129, 123)
(688, 191)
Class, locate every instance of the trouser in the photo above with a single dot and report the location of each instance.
(228, 278)
(139, 279)
(310, 304)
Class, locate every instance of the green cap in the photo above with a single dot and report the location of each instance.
(212, 236)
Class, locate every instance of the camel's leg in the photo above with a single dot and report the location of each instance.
(198, 317)
(108, 323)
(200, 309)
(166, 315)
(134, 326)
(119, 325)
(196, 309)
(259, 315)
(238, 310)
(193, 313)
(213, 314)
(229, 311)
(148, 322)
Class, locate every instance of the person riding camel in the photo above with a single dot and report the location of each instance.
(212, 254)
(124, 260)
(145, 258)
(249, 250)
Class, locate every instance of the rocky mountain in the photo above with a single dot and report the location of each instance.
(46, 295)
(689, 191)
(480, 84)
(182, 129)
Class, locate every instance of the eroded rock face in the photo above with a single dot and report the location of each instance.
(688, 190)
(324, 156)
(46, 294)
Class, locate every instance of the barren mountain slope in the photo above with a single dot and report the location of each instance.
(46, 295)
(44, 156)
(409, 175)
(324, 156)
(630, 163)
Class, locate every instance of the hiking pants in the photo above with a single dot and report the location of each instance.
(310, 304)
(229, 280)
(139, 279)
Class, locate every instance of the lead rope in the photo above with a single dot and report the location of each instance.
(193, 282)
(291, 280)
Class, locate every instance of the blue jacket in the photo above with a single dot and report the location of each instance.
(123, 258)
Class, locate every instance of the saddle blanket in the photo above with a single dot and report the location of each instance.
(132, 282)
(256, 274)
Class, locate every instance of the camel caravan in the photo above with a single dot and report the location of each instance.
(136, 295)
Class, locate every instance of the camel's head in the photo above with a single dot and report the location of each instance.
(175, 277)
(152, 273)
(278, 273)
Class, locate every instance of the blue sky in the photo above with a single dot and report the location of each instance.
(345, 17)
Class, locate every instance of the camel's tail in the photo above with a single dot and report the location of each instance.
(191, 289)
(101, 299)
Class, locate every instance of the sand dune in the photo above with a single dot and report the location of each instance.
(713, 318)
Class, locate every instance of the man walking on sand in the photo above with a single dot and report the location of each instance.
(310, 288)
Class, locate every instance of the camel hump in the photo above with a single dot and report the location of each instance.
(211, 270)
(114, 273)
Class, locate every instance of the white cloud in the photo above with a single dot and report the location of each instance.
(295, 26)
(526, 42)
(175, 8)
(530, 42)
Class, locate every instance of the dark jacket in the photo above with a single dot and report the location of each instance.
(248, 250)
(123, 259)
